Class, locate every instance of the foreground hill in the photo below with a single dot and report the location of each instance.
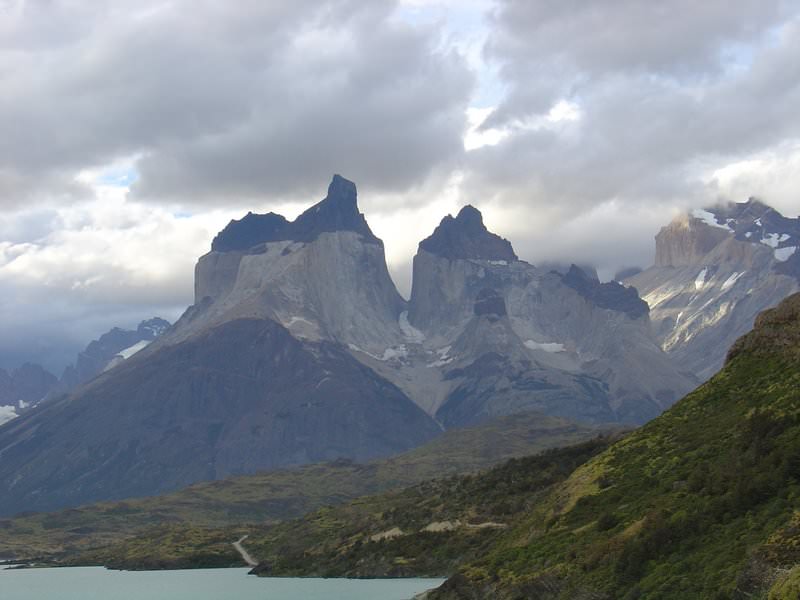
(274, 496)
(424, 530)
(700, 503)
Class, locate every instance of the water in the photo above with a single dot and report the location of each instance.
(96, 583)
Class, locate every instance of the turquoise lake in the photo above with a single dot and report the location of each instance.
(96, 583)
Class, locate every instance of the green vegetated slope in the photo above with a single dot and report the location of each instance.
(703, 502)
(424, 530)
(184, 517)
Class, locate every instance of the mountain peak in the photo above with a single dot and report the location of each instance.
(338, 211)
(466, 237)
(342, 190)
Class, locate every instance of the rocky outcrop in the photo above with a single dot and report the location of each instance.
(466, 237)
(611, 295)
(337, 212)
(715, 270)
(686, 241)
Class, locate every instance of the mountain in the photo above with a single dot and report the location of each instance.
(299, 349)
(507, 336)
(270, 497)
(699, 503)
(23, 388)
(109, 350)
(322, 276)
(255, 375)
(715, 270)
(242, 397)
(26, 386)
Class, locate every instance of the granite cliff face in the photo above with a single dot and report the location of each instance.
(715, 270)
(322, 276)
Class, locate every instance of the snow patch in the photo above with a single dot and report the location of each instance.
(294, 320)
(498, 262)
(748, 234)
(7, 413)
(700, 281)
(23, 405)
(131, 350)
(444, 357)
(551, 347)
(773, 239)
(731, 281)
(783, 254)
(399, 352)
(709, 219)
(412, 334)
(156, 330)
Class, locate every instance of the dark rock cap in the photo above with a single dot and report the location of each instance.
(337, 212)
(466, 237)
(609, 295)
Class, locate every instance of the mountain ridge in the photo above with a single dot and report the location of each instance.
(715, 270)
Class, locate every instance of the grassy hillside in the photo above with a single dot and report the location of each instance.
(703, 502)
(186, 517)
(425, 530)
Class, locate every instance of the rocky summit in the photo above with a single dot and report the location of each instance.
(298, 348)
(715, 270)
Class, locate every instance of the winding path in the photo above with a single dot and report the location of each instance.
(245, 554)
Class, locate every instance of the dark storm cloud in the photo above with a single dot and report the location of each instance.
(224, 100)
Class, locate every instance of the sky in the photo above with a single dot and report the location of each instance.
(132, 131)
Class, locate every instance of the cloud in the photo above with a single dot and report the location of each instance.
(132, 132)
(73, 272)
(225, 103)
(651, 100)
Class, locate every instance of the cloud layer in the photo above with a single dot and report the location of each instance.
(132, 131)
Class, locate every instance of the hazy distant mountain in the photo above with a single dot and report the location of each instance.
(299, 349)
(25, 387)
(109, 350)
(22, 388)
(715, 270)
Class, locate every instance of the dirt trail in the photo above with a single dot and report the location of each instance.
(245, 554)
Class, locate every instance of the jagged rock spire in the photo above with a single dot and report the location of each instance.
(338, 211)
(465, 237)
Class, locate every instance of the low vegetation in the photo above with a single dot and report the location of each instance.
(271, 497)
(700, 503)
